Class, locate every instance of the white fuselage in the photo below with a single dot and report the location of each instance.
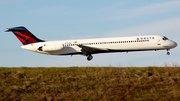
(117, 44)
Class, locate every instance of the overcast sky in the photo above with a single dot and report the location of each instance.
(80, 19)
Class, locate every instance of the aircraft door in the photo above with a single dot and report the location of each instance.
(159, 42)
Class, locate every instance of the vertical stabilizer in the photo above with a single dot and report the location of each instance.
(25, 36)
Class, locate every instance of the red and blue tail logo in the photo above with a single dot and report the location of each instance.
(25, 36)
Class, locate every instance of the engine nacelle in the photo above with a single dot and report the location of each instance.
(50, 48)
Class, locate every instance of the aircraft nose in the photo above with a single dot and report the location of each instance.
(175, 44)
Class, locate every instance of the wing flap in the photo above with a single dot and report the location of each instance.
(92, 49)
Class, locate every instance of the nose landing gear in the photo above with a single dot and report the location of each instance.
(168, 53)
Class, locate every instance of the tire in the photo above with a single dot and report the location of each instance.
(90, 57)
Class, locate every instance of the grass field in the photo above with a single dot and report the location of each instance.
(90, 83)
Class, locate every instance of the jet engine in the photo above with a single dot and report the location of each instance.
(50, 48)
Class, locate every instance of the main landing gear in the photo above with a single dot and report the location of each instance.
(87, 53)
(168, 53)
(89, 57)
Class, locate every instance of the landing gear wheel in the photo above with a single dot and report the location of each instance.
(89, 57)
(168, 53)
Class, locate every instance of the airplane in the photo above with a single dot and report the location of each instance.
(88, 47)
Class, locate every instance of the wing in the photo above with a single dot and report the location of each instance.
(90, 50)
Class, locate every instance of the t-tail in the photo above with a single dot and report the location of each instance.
(25, 36)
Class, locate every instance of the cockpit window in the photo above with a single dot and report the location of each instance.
(165, 38)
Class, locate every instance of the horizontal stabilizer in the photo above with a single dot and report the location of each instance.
(15, 29)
